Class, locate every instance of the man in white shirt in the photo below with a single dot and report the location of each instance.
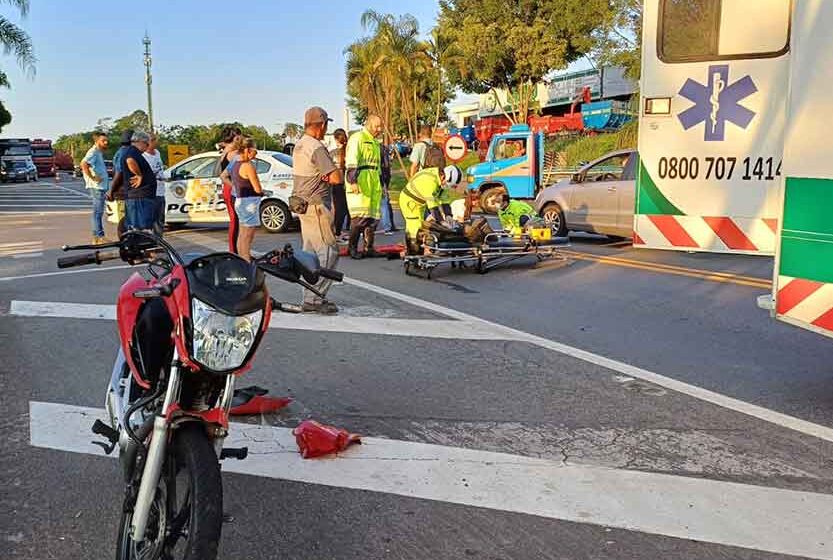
(154, 159)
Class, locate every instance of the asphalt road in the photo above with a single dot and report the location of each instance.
(678, 465)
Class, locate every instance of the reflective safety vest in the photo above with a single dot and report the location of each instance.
(424, 190)
(510, 217)
(363, 154)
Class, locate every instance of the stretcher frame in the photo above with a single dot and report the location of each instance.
(484, 256)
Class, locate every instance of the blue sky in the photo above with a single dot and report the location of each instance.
(259, 62)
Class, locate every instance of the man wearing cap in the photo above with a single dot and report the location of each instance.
(315, 173)
(364, 185)
(139, 182)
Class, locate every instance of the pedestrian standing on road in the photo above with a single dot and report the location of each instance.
(140, 183)
(388, 223)
(118, 192)
(315, 174)
(97, 182)
(420, 149)
(340, 211)
(248, 193)
(227, 154)
(364, 186)
(154, 158)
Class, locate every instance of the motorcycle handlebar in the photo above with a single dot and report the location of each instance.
(97, 257)
(331, 274)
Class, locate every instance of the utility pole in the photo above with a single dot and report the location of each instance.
(148, 80)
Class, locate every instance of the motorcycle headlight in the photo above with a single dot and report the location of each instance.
(222, 342)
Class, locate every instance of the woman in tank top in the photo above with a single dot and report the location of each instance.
(247, 192)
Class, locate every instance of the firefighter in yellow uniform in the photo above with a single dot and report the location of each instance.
(424, 192)
(364, 186)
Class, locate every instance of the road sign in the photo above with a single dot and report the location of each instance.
(176, 153)
(455, 148)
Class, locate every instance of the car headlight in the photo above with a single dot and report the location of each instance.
(222, 342)
(470, 178)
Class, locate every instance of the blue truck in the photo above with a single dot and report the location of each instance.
(516, 163)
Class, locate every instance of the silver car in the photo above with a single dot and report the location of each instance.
(599, 198)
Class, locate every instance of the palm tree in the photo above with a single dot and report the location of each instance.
(292, 130)
(444, 54)
(17, 42)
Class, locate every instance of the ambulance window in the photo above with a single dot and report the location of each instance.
(702, 30)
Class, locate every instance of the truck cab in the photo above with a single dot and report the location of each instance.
(513, 165)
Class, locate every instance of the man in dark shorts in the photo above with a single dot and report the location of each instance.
(315, 174)
(140, 183)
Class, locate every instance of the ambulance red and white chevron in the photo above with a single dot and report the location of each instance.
(724, 234)
(805, 302)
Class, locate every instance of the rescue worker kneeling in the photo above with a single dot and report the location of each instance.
(424, 193)
(514, 215)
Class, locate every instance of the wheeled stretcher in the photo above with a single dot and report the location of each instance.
(496, 249)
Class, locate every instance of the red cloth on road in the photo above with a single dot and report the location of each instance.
(260, 405)
(315, 439)
(386, 249)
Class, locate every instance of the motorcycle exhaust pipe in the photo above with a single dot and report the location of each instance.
(130, 449)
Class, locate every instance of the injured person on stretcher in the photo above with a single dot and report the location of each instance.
(473, 243)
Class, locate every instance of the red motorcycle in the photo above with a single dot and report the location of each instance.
(187, 328)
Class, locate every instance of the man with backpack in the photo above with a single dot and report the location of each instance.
(424, 149)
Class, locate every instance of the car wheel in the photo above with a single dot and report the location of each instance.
(553, 216)
(274, 216)
(489, 199)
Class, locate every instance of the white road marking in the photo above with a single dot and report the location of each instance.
(16, 249)
(27, 255)
(27, 213)
(426, 328)
(755, 411)
(724, 513)
(63, 272)
(27, 205)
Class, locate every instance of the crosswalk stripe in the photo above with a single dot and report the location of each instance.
(725, 513)
(426, 328)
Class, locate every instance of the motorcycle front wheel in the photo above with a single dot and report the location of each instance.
(187, 513)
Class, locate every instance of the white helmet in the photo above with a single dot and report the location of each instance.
(452, 175)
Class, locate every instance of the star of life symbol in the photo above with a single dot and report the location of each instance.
(717, 102)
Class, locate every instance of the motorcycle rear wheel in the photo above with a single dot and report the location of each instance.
(187, 514)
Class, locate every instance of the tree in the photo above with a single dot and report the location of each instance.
(5, 116)
(514, 45)
(619, 39)
(137, 120)
(396, 75)
(17, 42)
(444, 53)
(292, 131)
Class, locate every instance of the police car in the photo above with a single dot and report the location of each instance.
(194, 194)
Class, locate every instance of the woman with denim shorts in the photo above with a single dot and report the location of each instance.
(247, 192)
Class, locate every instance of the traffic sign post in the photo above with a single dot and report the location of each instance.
(455, 148)
(176, 153)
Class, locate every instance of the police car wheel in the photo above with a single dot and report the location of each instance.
(274, 216)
